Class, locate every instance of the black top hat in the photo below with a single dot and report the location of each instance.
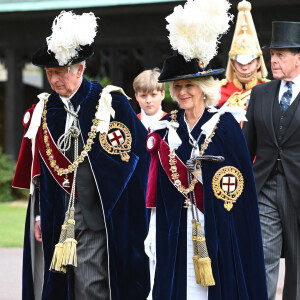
(285, 35)
(46, 59)
(177, 68)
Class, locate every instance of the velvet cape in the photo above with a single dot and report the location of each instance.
(122, 189)
(233, 237)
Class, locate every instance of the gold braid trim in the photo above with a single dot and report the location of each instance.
(248, 86)
(239, 99)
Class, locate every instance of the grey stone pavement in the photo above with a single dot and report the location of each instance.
(11, 273)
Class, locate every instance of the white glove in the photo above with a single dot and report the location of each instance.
(150, 241)
(150, 248)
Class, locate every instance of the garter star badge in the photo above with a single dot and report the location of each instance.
(117, 141)
(228, 184)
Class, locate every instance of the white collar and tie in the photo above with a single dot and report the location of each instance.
(295, 89)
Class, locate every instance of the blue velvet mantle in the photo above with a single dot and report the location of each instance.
(122, 187)
(233, 237)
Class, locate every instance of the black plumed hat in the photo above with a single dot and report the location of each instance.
(44, 58)
(70, 41)
(177, 68)
(194, 32)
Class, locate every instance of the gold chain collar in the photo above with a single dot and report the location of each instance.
(80, 158)
(173, 161)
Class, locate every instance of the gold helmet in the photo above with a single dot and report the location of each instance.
(245, 46)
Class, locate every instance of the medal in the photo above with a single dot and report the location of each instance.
(117, 141)
(228, 184)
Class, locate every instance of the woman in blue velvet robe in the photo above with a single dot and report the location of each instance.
(233, 237)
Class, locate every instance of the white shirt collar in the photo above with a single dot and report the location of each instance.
(295, 87)
(70, 118)
(148, 120)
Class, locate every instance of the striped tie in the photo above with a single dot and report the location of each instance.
(285, 100)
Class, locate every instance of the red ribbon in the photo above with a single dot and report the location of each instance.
(152, 145)
(61, 160)
(160, 150)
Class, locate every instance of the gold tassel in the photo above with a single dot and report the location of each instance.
(195, 248)
(69, 253)
(197, 273)
(56, 265)
(205, 271)
(204, 262)
(69, 257)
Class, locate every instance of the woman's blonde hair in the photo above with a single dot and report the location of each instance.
(209, 86)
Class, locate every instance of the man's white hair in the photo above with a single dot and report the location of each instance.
(74, 68)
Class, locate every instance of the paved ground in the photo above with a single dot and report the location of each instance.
(11, 272)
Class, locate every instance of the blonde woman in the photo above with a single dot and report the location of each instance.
(204, 235)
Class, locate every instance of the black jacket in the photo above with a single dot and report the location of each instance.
(263, 143)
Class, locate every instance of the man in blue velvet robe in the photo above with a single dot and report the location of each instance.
(103, 170)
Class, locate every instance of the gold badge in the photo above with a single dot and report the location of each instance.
(117, 140)
(228, 184)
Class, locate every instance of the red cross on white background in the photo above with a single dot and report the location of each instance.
(228, 184)
(116, 138)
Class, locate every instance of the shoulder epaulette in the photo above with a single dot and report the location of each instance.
(223, 82)
(263, 80)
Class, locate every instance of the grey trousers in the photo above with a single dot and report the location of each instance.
(90, 279)
(280, 231)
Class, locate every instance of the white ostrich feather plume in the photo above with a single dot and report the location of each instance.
(69, 32)
(195, 29)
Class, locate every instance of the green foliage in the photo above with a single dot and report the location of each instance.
(168, 104)
(103, 81)
(12, 222)
(168, 97)
(7, 170)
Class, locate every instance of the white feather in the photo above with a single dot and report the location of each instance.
(195, 29)
(69, 32)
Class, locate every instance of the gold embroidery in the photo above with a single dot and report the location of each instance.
(228, 188)
(239, 99)
(117, 141)
(249, 85)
